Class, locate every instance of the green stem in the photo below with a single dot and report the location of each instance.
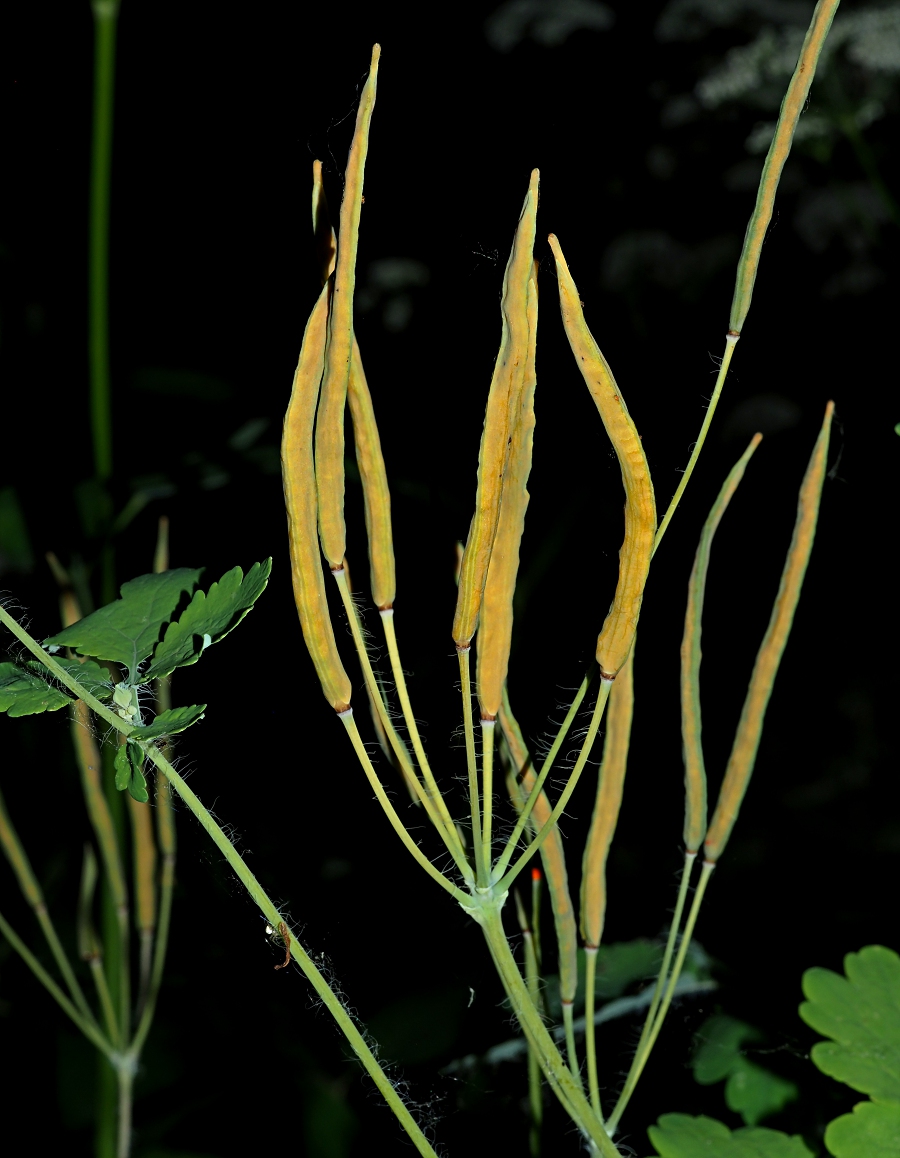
(487, 790)
(390, 635)
(555, 1069)
(104, 997)
(125, 1081)
(565, 795)
(312, 974)
(105, 20)
(535, 792)
(590, 1037)
(465, 684)
(535, 1098)
(88, 1028)
(640, 1061)
(568, 1016)
(730, 343)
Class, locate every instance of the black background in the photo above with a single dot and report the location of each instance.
(220, 112)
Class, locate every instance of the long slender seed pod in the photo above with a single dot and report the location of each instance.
(749, 730)
(691, 655)
(495, 627)
(298, 474)
(323, 233)
(503, 403)
(520, 783)
(617, 634)
(791, 108)
(339, 348)
(610, 783)
(376, 493)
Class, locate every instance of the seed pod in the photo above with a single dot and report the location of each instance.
(749, 730)
(376, 493)
(339, 347)
(607, 805)
(298, 473)
(691, 655)
(617, 634)
(495, 627)
(520, 782)
(503, 404)
(323, 233)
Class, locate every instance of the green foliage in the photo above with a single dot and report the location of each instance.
(128, 630)
(15, 546)
(129, 771)
(170, 722)
(619, 966)
(209, 617)
(750, 1090)
(871, 1131)
(90, 675)
(681, 1136)
(24, 694)
(861, 1013)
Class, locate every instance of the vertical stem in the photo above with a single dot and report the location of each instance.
(568, 1016)
(590, 1038)
(487, 789)
(465, 683)
(640, 1061)
(125, 1078)
(105, 20)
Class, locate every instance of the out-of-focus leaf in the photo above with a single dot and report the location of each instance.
(209, 617)
(719, 1042)
(127, 631)
(129, 771)
(15, 546)
(170, 722)
(681, 1136)
(24, 694)
(756, 1093)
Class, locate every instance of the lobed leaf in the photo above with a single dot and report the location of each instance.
(92, 677)
(755, 1092)
(169, 722)
(209, 617)
(871, 1131)
(24, 694)
(128, 630)
(129, 763)
(681, 1136)
(719, 1042)
(861, 1013)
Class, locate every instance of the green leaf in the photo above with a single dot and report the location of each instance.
(127, 631)
(621, 964)
(681, 1136)
(92, 677)
(168, 723)
(871, 1131)
(718, 1052)
(861, 1012)
(208, 618)
(755, 1093)
(129, 763)
(24, 694)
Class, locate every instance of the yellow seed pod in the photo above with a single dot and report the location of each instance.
(298, 473)
(323, 233)
(339, 346)
(606, 808)
(376, 494)
(691, 656)
(496, 622)
(520, 782)
(617, 634)
(768, 658)
(503, 403)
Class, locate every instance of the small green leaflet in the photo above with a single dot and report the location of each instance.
(681, 1136)
(750, 1090)
(129, 771)
(24, 694)
(168, 723)
(861, 1013)
(92, 677)
(128, 630)
(208, 618)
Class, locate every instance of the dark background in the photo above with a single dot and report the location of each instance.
(220, 112)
